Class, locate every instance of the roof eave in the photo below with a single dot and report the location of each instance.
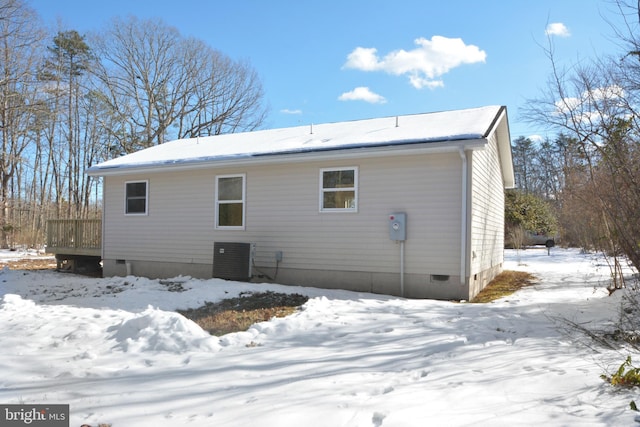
(504, 147)
(280, 158)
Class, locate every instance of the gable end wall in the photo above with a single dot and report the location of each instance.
(487, 217)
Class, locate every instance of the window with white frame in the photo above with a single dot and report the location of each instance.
(136, 195)
(230, 201)
(339, 189)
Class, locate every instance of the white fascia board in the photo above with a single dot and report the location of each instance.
(274, 159)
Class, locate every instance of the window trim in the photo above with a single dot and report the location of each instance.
(323, 190)
(243, 201)
(146, 198)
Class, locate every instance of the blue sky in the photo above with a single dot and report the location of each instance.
(337, 60)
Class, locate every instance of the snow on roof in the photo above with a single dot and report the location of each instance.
(469, 124)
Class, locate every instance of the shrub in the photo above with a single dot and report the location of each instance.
(627, 375)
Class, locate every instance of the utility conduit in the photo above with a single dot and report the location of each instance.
(463, 221)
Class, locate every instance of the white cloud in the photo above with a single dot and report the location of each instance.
(557, 29)
(362, 94)
(536, 138)
(424, 65)
(610, 95)
(287, 111)
(592, 106)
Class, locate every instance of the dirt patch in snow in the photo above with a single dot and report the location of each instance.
(505, 284)
(238, 314)
(44, 263)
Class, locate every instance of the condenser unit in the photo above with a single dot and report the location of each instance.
(232, 261)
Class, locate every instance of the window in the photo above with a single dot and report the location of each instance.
(339, 190)
(136, 198)
(230, 199)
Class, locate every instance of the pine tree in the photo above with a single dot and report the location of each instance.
(69, 59)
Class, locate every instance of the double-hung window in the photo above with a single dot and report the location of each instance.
(339, 189)
(136, 195)
(230, 201)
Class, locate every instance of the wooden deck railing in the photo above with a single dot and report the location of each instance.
(74, 236)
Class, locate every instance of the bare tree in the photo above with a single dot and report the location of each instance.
(228, 99)
(66, 107)
(20, 38)
(139, 75)
(159, 85)
(596, 105)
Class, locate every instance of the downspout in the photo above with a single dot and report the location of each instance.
(103, 220)
(402, 268)
(463, 221)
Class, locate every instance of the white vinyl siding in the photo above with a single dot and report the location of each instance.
(487, 209)
(178, 227)
(281, 214)
(425, 188)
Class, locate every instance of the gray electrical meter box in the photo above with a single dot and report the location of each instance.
(398, 226)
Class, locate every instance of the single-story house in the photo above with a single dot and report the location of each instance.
(410, 205)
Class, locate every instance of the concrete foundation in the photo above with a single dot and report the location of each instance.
(415, 285)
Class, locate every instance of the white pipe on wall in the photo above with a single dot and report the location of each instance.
(402, 268)
(463, 222)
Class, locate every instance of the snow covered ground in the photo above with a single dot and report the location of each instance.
(115, 350)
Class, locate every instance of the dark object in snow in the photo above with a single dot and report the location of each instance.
(238, 314)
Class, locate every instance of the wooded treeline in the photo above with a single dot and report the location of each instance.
(590, 173)
(70, 100)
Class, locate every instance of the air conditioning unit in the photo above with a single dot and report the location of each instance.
(232, 261)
